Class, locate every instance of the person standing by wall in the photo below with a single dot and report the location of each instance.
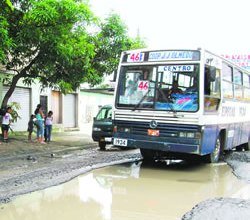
(30, 127)
(40, 123)
(48, 126)
(7, 118)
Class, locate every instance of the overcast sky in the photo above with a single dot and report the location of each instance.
(221, 26)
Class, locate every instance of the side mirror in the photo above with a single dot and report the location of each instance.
(212, 73)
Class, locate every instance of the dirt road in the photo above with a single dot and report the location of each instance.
(26, 167)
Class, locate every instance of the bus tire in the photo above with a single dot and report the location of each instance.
(102, 145)
(246, 146)
(214, 157)
(242, 147)
(148, 155)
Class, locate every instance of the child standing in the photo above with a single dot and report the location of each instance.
(40, 124)
(6, 124)
(30, 127)
(48, 126)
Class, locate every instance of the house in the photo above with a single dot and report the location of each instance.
(70, 111)
(64, 107)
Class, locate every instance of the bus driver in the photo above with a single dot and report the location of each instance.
(175, 88)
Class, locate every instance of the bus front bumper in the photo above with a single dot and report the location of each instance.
(157, 145)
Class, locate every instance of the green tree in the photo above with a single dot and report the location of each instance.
(5, 42)
(50, 42)
(53, 41)
(109, 42)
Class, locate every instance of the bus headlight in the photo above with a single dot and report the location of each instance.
(190, 135)
(185, 134)
(182, 134)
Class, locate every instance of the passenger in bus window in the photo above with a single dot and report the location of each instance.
(144, 75)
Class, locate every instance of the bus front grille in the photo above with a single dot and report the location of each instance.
(166, 130)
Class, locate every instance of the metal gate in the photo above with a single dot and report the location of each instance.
(21, 96)
(56, 106)
(69, 111)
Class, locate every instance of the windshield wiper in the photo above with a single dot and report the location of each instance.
(142, 99)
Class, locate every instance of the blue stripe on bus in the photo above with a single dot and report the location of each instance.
(209, 136)
(240, 136)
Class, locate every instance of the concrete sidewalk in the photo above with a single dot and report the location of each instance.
(62, 141)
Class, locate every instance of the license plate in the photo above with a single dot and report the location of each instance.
(120, 142)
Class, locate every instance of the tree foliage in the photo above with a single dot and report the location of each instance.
(109, 43)
(5, 41)
(51, 41)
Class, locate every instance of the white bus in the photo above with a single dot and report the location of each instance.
(177, 103)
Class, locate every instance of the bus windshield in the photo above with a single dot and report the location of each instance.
(159, 87)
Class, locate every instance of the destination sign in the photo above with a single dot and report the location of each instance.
(176, 68)
(173, 55)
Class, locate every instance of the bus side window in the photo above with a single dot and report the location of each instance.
(212, 89)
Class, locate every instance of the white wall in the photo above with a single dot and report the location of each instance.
(89, 105)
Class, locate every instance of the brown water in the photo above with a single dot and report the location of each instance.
(130, 191)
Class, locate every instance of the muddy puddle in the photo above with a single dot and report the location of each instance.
(129, 191)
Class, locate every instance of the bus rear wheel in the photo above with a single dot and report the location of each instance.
(247, 146)
(214, 157)
(244, 147)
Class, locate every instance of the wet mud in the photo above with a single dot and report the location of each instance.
(26, 171)
(225, 208)
(136, 191)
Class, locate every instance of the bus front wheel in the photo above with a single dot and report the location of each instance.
(215, 155)
(148, 155)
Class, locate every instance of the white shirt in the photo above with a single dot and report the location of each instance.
(6, 119)
(48, 120)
